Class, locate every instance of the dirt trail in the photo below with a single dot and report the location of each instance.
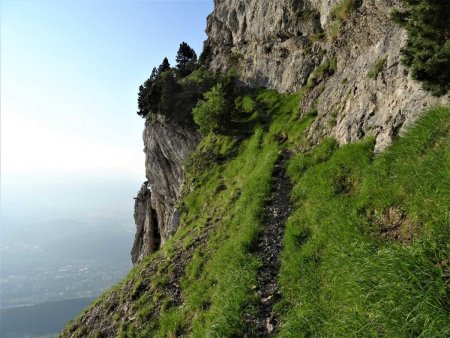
(268, 249)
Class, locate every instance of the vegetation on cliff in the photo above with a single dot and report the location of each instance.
(427, 50)
(171, 92)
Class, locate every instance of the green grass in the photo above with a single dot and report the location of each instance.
(227, 183)
(326, 68)
(376, 68)
(338, 277)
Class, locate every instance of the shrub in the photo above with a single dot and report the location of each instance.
(245, 104)
(212, 113)
(427, 50)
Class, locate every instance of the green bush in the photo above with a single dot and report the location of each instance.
(212, 113)
(427, 50)
(245, 104)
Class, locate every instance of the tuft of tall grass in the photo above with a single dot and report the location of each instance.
(338, 276)
(339, 15)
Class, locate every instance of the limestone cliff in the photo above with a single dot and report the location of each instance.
(166, 145)
(280, 44)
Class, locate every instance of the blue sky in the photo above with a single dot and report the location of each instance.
(70, 72)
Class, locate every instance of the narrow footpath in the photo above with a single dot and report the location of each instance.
(268, 249)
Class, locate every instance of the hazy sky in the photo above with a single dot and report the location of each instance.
(70, 72)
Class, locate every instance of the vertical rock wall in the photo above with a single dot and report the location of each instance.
(166, 146)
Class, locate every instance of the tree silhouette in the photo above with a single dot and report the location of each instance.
(164, 66)
(205, 56)
(186, 60)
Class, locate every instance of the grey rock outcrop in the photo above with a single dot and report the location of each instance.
(166, 146)
(278, 44)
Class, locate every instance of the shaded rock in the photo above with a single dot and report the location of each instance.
(166, 146)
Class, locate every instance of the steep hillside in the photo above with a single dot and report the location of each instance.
(296, 210)
(366, 248)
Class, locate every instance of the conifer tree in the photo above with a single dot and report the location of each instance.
(427, 50)
(186, 60)
(205, 56)
(164, 66)
(169, 87)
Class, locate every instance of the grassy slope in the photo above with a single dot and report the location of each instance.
(220, 280)
(338, 277)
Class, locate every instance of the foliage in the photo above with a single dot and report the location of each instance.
(172, 93)
(245, 104)
(186, 60)
(376, 68)
(214, 112)
(427, 50)
(218, 111)
(164, 66)
(206, 56)
(169, 87)
(150, 92)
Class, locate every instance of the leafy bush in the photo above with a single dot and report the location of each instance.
(212, 113)
(245, 104)
(427, 50)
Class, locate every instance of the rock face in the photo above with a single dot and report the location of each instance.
(278, 44)
(167, 144)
